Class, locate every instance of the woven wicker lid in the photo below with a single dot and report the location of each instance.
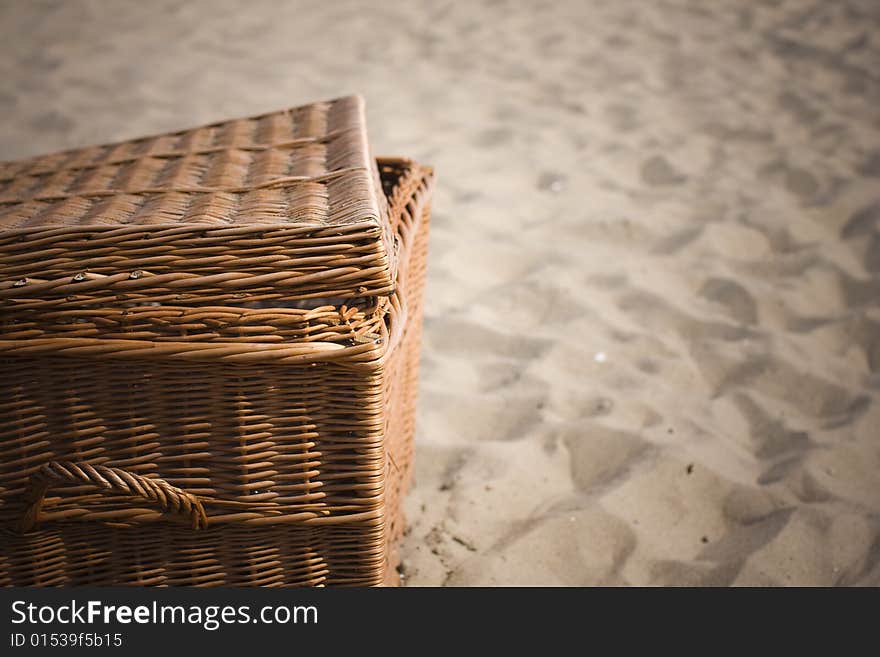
(294, 193)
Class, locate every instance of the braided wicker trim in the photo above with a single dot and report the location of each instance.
(169, 498)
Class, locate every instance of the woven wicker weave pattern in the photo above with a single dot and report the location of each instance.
(234, 173)
(288, 204)
(250, 372)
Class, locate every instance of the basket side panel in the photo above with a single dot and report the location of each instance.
(402, 376)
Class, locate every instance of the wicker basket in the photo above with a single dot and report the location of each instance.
(209, 343)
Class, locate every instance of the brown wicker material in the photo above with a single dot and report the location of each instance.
(209, 344)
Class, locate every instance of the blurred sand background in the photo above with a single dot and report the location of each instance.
(652, 347)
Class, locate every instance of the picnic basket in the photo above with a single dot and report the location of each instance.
(209, 346)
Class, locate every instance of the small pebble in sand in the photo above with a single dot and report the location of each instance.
(600, 357)
(602, 406)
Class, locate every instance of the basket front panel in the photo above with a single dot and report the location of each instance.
(301, 437)
(81, 554)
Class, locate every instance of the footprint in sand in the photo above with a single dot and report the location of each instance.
(737, 302)
(600, 455)
(812, 395)
(656, 314)
(772, 439)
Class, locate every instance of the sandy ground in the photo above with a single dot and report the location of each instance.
(652, 349)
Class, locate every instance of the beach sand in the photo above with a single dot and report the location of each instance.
(652, 333)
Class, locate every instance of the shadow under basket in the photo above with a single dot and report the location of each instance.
(246, 419)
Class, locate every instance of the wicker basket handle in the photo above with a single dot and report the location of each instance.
(111, 480)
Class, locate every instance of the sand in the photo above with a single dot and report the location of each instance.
(652, 345)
